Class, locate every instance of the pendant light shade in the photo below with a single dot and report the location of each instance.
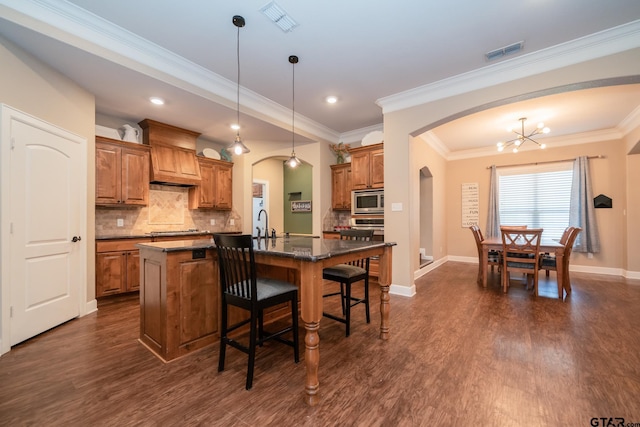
(237, 147)
(293, 161)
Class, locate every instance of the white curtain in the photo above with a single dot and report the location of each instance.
(493, 216)
(582, 212)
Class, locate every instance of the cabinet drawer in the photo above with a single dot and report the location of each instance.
(119, 244)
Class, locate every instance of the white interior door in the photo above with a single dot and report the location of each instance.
(45, 263)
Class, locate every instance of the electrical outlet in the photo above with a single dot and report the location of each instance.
(213, 222)
(232, 221)
(120, 222)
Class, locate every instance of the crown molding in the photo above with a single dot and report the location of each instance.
(631, 122)
(552, 142)
(603, 43)
(77, 27)
(357, 135)
(436, 143)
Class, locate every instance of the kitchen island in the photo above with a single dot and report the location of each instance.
(179, 292)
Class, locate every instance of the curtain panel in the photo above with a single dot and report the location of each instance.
(582, 210)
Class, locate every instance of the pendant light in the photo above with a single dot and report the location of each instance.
(293, 161)
(237, 147)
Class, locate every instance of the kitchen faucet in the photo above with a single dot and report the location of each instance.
(266, 223)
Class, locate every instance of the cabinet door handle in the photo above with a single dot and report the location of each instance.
(76, 239)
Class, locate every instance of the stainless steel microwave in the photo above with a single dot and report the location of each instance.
(367, 202)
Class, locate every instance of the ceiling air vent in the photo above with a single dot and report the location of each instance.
(504, 51)
(279, 17)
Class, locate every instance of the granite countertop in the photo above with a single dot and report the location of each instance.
(308, 248)
(155, 234)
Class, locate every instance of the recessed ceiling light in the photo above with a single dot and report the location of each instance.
(331, 99)
(157, 101)
(235, 126)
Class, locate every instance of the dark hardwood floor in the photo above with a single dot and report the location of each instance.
(458, 355)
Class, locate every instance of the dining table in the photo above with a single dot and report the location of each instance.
(546, 245)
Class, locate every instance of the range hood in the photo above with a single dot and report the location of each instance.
(173, 154)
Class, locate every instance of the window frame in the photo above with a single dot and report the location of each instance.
(535, 218)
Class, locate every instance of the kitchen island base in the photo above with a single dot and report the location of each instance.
(178, 302)
(179, 292)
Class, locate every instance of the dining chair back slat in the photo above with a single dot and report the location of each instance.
(520, 253)
(549, 262)
(493, 257)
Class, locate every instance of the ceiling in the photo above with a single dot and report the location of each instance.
(125, 51)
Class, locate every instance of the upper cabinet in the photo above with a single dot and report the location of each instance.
(341, 186)
(367, 167)
(173, 153)
(122, 173)
(215, 188)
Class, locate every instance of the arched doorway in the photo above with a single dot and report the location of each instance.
(426, 217)
(280, 186)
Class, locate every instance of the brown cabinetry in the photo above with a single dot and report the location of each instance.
(122, 173)
(179, 301)
(117, 266)
(173, 155)
(367, 167)
(215, 188)
(118, 262)
(341, 186)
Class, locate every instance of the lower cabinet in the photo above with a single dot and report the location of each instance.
(117, 266)
(179, 301)
(118, 263)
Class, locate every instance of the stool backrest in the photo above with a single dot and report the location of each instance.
(237, 265)
(362, 235)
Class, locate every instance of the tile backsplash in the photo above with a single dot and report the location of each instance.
(168, 210)
(334, 219)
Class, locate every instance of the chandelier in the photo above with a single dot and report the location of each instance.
(522, 137)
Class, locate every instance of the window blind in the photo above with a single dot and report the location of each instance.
(537, 196)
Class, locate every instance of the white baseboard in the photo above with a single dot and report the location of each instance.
(90, 307)
(404, 291)
(424, 270)
(572, 267)
(632, 275)
(467, 259)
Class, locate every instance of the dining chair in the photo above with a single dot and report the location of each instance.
(493, 257)
(548, 261)
(346, 275)
(514, 226)
(240, 287)
(521, 253)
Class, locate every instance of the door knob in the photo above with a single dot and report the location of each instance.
(76, 239)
